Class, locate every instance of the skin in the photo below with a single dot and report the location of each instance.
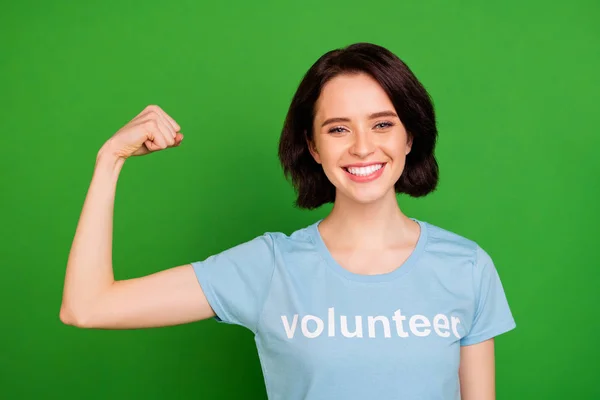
(92, 298)
(366, 231)
(371, 224)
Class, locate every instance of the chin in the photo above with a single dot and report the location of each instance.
(365, 197)
(378, 187)
(372, 191)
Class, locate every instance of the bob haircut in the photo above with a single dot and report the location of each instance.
(410, 99)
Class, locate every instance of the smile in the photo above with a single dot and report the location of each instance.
(364, 173)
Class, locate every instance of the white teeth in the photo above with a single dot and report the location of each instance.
(364, 171)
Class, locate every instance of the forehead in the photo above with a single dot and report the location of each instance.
(351, 96)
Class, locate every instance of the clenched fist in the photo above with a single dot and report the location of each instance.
(151, 130)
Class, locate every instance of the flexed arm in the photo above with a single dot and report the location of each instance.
(91, 296)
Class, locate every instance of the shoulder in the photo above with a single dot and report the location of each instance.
(457, 254)
(301, 238)
(445, 242)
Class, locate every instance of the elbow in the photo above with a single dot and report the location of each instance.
(69, 317)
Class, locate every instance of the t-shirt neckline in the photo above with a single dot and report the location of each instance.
(402, 269)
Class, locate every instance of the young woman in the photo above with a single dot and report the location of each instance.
(367, 303)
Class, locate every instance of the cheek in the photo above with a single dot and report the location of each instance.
(395, 147)
(399, 139)
(329, 162)
(329, 158)
(329, 151)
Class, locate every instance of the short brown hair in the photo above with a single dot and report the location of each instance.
(410, 99)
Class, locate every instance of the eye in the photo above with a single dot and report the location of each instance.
(383, 125)
(337, 129)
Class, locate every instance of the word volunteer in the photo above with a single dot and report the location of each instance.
(419, 325)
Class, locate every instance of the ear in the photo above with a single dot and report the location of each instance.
(409, 142)
(312, 147)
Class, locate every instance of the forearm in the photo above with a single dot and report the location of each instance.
(89, 268)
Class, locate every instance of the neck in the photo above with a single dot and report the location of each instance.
(372, 225)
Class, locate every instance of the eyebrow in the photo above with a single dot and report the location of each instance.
(372, 116)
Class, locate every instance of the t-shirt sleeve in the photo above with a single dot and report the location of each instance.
(492, 313)
(237, 280)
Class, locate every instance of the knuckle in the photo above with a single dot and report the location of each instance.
(152, 107)
(151, 124)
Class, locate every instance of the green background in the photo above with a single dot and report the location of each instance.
(516, 90)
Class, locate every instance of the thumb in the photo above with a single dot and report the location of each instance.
(178, 138)
(151, 146)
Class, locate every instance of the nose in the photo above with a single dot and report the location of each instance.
(363, 145)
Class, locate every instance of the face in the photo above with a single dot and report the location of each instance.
(359, 139)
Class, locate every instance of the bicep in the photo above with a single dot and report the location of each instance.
(477, 371)
(169, 297)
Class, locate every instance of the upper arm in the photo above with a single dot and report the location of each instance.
(492, 316)
(231, 285)
(168, 297)
(477, 371)
(236, 282)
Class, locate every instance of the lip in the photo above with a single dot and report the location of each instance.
(368, 178)
(358, 165)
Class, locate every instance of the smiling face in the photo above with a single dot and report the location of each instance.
(358, 138)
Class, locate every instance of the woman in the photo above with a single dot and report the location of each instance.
(365, 304)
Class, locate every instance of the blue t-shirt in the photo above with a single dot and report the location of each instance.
(323, 332)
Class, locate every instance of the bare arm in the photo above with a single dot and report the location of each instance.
(91, 296)
(477, 371)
